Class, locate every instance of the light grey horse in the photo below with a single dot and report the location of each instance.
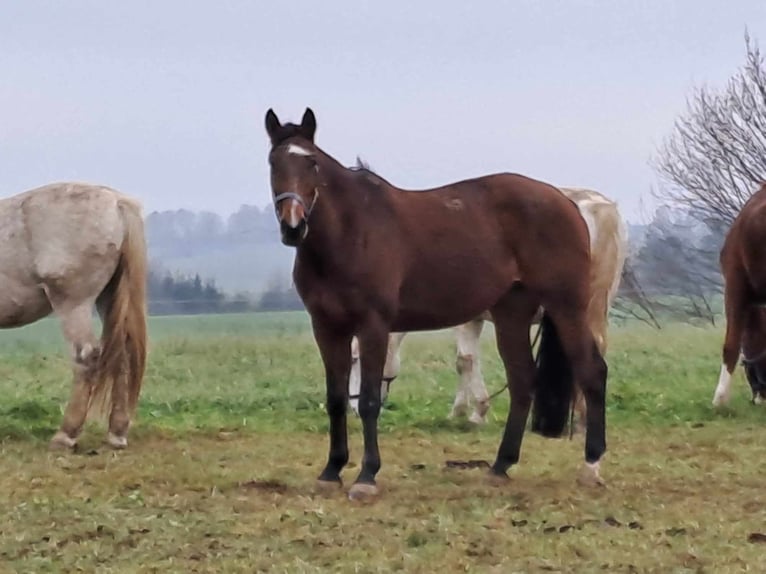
(67, 248)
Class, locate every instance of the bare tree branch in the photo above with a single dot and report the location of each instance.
(716, 155)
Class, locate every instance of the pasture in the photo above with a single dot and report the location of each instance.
(231, 434)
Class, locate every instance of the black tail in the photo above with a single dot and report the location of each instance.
(555, 384)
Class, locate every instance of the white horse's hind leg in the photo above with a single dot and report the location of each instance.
(355, 377)
(390, 370)
(119, 419)
(77, 326)
(393, 363)
(468, 366)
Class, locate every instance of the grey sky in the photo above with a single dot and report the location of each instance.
(165, 100)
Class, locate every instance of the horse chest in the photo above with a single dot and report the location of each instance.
(327, 297)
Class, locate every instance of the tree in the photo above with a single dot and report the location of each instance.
(677, 266)
(709, 166)
(716, 156)
(188, 294)
(280, 296)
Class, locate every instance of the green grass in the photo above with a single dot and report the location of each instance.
(231, 434)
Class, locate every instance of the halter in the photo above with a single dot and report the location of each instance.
(387, 380)
(291, 195)
(760, 356)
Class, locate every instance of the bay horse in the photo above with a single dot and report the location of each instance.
(609, 247)
(372, 259)
(67, 247)
(743, 265)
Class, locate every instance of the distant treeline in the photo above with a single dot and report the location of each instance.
(179, 294)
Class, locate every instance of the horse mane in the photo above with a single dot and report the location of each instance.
(370, 177)
(362, 165)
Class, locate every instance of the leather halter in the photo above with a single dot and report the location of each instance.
(291, 195)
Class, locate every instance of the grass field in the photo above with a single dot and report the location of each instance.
(219, 474)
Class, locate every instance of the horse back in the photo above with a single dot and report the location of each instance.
(742, 251)
(608, 239)
(63, 235)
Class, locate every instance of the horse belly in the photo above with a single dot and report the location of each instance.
(22, 304)
(451, 297)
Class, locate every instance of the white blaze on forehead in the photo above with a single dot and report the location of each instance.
(298, 150)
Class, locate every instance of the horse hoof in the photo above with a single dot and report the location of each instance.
(477, 419)
(497, 479)
(360, 491)
(116, 442)
(62, 441)
(328, 486)
(720, 399)
(589, 476)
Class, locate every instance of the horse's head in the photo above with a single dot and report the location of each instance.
(754, 354)
(295, 179)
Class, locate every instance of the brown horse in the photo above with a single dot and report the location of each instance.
(743, 264)
(68, 247)
(608, 246)
(372, 259)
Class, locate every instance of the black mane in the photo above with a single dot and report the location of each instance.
(362, 165)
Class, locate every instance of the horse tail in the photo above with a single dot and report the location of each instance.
(122, 306)
(555, 383)
(611, 249)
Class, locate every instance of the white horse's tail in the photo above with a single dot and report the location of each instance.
(123, 305)
(622, 240)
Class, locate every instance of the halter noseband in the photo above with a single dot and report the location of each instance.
(291, 195)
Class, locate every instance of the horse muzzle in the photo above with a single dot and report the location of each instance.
(294, 221)
(293, 236)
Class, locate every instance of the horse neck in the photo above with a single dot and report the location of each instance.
(333, 220)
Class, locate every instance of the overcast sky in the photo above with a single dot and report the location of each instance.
(165, 99)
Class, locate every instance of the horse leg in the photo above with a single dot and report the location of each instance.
(589, 372)
(77, 326)
(468, 368)
(736, 309)
(373, 342)
(390, 370)
(354, 379)
(119, 418)
(512, 318)
(334, 349)
(393, 364)
(598, 319)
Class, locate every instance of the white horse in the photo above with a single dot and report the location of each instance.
(609, 246)
(65, 248)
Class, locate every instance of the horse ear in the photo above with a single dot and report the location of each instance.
(308, 124)
(272, 124)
